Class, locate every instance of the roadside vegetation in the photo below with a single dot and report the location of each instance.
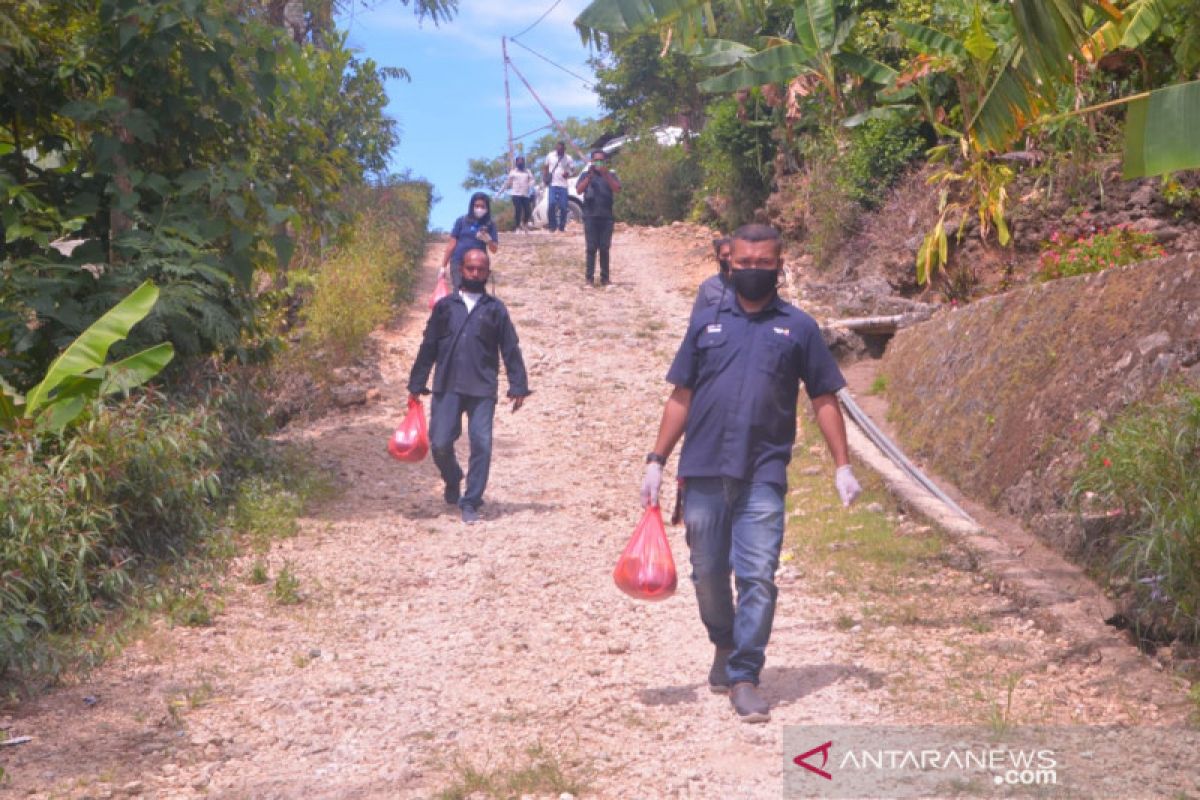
(183, 203)
(1143, 476)
(846, 95)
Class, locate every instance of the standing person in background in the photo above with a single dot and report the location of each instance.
(517, 184)
(737, 376)
(715, 287)
(475, 231)
(556, 171)
(597, 185)
(468, 333)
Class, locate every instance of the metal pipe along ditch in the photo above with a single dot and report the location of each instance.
(888, 448)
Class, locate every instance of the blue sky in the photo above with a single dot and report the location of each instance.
(453, 109)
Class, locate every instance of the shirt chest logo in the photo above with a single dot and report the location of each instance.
(714, 328)
(783, 331)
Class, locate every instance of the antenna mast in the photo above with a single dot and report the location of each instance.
(507, 100)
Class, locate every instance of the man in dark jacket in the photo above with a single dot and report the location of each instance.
(467, 334)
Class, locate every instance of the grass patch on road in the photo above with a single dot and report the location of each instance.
(848, 549)
(537, 772)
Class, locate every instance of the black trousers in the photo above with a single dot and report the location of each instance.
(597, 234)
(522, 211)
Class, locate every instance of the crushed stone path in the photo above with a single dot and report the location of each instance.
(426, 649)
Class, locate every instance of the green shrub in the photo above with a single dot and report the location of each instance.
(264, 510)
(130, 511)
(1144, 471)
(828, 214)
(656, 183)
(286, 591)
(878, 153)
(1115, 247)
(355, 285)
(79, 514)
(736, 157)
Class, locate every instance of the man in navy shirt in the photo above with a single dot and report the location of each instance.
(715, 288)
(737, 376)
(467, 334)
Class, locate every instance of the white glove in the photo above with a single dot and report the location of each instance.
(651, 483)
(847, 487)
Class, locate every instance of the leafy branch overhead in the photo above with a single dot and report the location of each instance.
(194, 144)
(1015, 56)
(80, 374)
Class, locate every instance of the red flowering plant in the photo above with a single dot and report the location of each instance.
(1063, 257)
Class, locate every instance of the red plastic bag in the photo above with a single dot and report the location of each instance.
(410, 442)
(645, 569)
(441, 290)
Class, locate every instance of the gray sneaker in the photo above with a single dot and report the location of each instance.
(470, 515)
(718, 680)
(748, 703)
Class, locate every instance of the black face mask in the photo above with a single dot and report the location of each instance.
(726, 266)
(754, 284)
(474, 287)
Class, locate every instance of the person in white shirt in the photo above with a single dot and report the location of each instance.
(518, 183)
(556, 170)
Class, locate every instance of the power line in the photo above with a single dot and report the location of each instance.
(539, 19)
(582, 79)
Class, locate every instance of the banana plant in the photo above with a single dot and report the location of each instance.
(682, 22)
(816, 54)
(80, 375)
(1160, 124)
(811, 49)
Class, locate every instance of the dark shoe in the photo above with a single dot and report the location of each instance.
(470, 515)
(451, 494)
(605, 283)
(748, 703)
(718, 680)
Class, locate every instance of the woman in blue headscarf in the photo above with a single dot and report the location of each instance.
(475, 230)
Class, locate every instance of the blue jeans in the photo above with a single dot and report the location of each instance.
(735, 527)
(556, 208)
(445, 426)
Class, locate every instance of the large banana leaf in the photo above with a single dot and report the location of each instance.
(1141, 19)
(782, 63)
(623, 18)
(773, 65)
(720, 53)
(688, 19)
(131, 372)
(1051, 31)
(1161, 131)
(816, 25)
(869, 68)
(930, 41)
(1131, 28)
(89, 351)
(1012, 102)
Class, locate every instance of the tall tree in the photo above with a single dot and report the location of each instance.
(639, 86)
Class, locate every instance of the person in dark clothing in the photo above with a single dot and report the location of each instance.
(468, 333)
(597, 185)
(716, 287)
(736, 381)
(474, 231)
